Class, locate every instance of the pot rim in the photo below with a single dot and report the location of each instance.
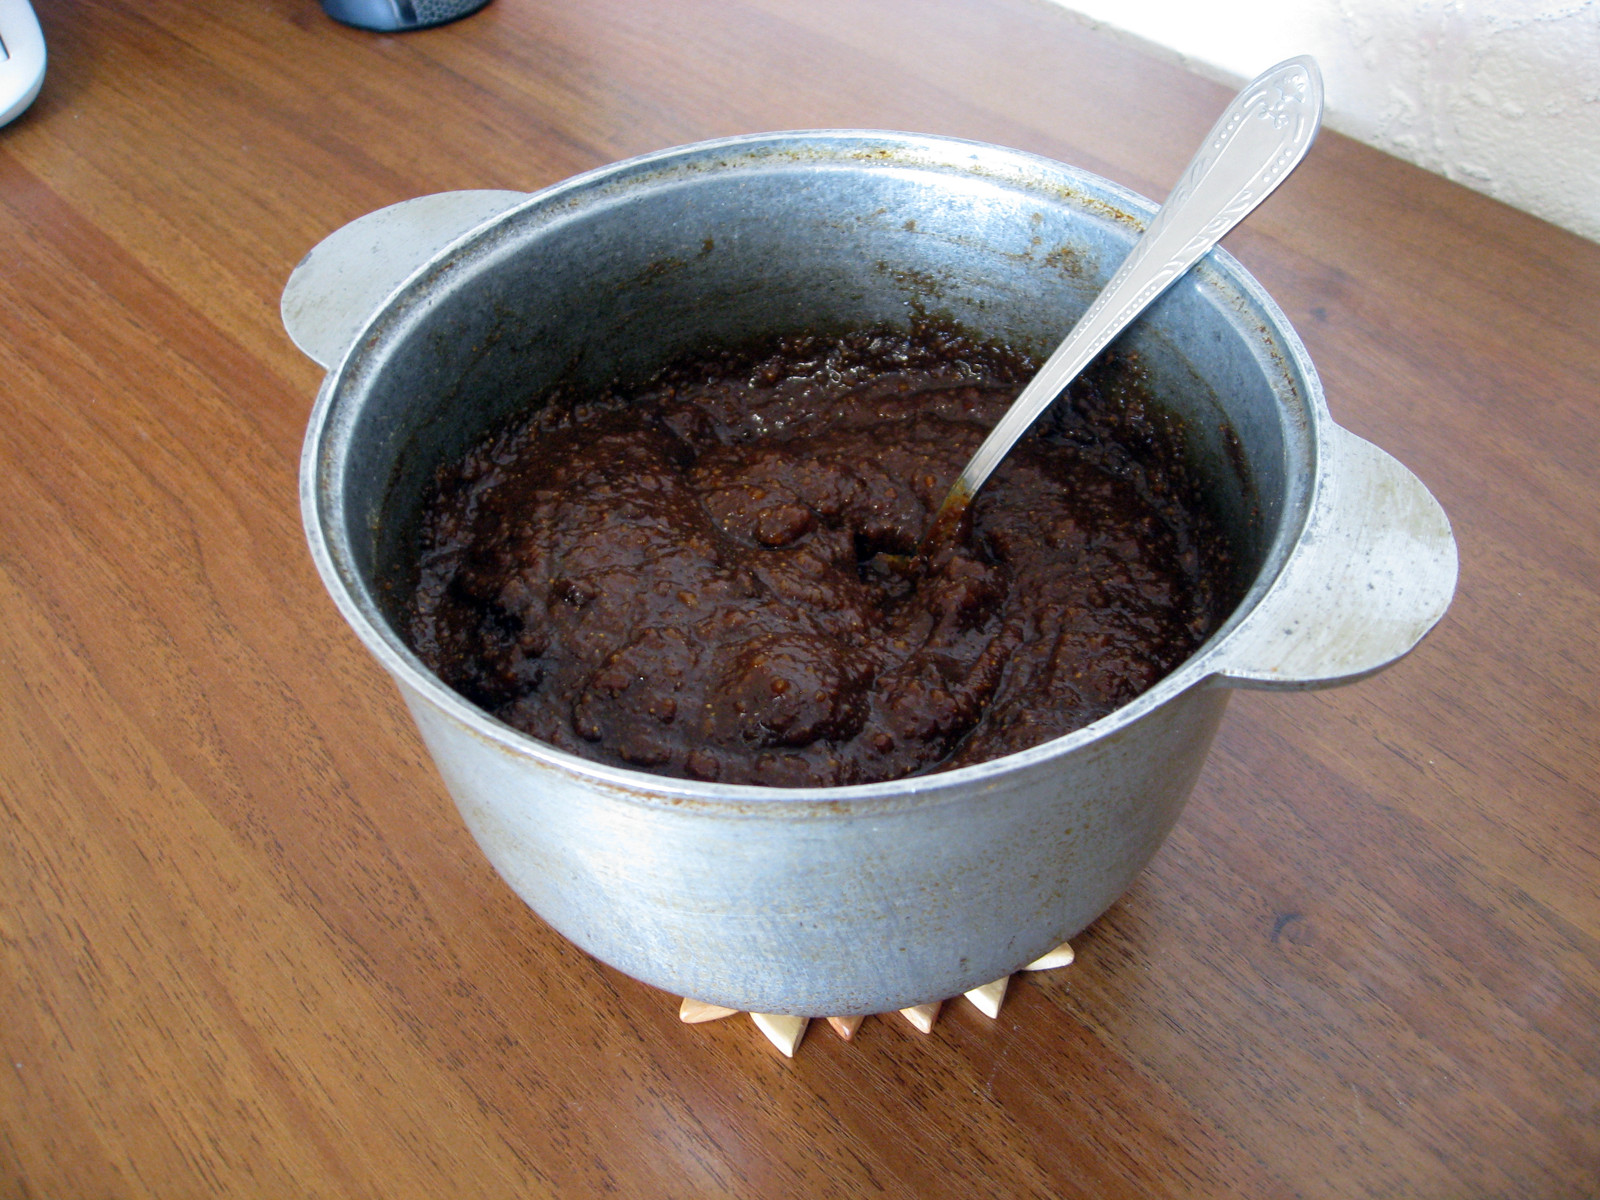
(1217, 270)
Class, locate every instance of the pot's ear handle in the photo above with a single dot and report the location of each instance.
(1374, 571)
(348, 274)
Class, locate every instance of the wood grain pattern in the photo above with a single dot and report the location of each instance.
(246, 947)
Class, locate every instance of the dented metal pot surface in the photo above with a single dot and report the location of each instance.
(438, 317)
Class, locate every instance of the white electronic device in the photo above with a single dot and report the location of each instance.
(21, 58)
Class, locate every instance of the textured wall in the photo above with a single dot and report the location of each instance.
(1500, 95)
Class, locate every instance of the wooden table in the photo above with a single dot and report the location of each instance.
(247, 947)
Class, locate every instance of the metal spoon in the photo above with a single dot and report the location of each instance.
(1257, 141)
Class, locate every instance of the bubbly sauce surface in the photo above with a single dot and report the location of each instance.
(683, 578)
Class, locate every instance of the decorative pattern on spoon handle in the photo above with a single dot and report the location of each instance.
(1256, 142)
(1273, 120)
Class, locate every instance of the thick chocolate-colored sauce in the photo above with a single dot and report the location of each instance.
(682, 577)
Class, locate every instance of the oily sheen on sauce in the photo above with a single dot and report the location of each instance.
(684, 577)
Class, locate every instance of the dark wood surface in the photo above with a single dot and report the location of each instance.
(246, 946)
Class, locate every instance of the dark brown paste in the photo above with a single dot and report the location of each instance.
(683, 577)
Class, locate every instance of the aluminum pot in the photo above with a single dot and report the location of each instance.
(439, 317)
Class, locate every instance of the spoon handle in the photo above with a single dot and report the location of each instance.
(1257, 141)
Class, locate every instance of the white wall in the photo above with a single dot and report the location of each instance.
(1500, 95)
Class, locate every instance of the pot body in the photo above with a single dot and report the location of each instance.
(817, 906)
(861, 899)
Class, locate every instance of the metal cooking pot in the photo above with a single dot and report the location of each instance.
(439, 317)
